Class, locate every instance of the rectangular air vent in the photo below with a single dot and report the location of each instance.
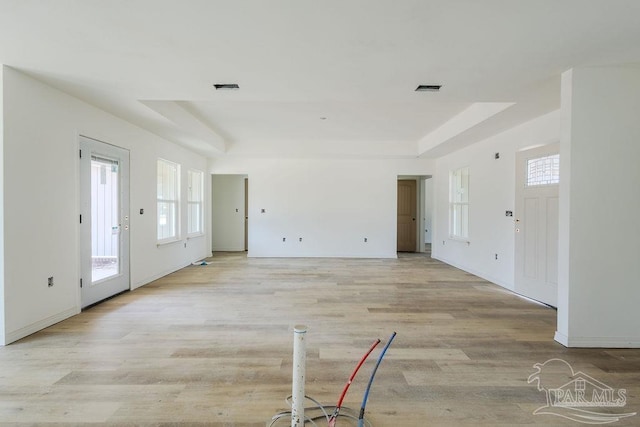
(428, 88)
(226, 86)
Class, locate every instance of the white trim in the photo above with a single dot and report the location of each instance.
(349, 256)
(597, 342)
(506, 285)
(149, 279)
(230, 249)
(561, 338)
(154, 277)
(196, 236)
(38, 326)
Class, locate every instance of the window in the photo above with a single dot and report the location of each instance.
(543, 170)
(168, 200)
(194, 201)
(459, 204)
(105, 215)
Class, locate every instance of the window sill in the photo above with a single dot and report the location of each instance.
(460, 239)
(195, 236)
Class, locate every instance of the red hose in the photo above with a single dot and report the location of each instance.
(332, 420)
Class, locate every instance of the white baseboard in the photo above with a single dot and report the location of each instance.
(52, 320)
(160, 275)
(597, 342)
(38, 326)
(480, 274)
(149, 279)
(326, 256)
(561, 338)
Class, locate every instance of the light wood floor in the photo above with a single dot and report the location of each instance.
(212, 345)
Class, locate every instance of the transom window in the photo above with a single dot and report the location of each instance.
(543, 170)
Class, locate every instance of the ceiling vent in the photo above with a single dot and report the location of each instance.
(428, 88)
(226, 86)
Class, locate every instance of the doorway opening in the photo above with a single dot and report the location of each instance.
(414, 213)
(230, 213)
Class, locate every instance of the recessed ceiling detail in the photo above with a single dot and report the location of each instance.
(428, 88)
(226, 86)
(193, 127)
(356, 76)
(464, 121)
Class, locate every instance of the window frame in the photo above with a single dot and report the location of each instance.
(172, 201)
(199, 203)
(545, 174)
(459, 197)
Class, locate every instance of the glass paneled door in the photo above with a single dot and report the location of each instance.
(104, 220)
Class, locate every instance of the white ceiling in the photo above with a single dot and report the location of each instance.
(354, 62)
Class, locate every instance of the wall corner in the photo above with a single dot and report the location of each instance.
(2, 292)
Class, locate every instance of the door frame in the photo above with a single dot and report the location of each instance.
(408, 183)
(241, 235)
(420, 208)
(246, 214)
(124, 200)
(542, 292)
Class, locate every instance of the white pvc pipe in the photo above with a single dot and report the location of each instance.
(299, 366)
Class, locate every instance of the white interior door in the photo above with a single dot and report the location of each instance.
(104, 220)
(536, 224)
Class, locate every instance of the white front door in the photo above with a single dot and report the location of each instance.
(104, 220)
(536, 224)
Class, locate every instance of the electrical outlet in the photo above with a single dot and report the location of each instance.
(284, 239)
(496, 256)
(300, 239)
(365, 240)
(50, 281)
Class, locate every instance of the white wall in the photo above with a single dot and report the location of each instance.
(2, 300)
(428, 210)
(227, 207)
(492, 192)
(331, 204)
(599, 227)
(41, 128)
